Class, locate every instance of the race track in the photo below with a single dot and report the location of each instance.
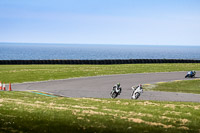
(100, 86)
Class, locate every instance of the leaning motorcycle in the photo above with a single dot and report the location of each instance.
(115, 92)
(136, 92)
(190, 74)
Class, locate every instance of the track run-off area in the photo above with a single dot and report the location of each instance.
(101, 86)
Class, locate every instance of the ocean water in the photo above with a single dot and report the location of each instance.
(31, 51)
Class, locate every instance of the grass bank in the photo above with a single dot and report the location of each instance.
(187, 86)
(25, 73)
(29, 112)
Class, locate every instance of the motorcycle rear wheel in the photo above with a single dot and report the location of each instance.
(137, 94)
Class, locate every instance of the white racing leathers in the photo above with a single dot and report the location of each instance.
(136, 92)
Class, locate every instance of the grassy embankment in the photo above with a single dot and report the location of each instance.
(29, 112)
(25, 73)
(188, 86)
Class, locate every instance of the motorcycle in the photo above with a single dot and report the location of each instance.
(190, 74)
(115, 92)
(136, 92)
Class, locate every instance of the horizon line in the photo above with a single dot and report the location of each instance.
(125, 44)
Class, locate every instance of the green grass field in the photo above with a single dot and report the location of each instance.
(188, 86)
(29, 112)
(25, 73)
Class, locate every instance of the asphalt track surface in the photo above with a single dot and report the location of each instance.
(101, 86)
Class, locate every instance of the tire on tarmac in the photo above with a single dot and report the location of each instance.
(113, 95)
(137, 95)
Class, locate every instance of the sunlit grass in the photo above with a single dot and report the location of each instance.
(188, 86)
(29, 112)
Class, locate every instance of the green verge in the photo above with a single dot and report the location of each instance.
(186, 86)
(26, 73)
(29, 112)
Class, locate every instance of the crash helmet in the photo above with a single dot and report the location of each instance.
(194, 72)
(140, 85)
(118, 84)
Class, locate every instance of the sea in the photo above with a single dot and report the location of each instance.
(44, 51)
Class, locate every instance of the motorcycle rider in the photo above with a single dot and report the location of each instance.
(134, 88)
(117, 87)
(136, 91)
(192, 73)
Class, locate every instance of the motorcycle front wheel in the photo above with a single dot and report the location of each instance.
(114, 95)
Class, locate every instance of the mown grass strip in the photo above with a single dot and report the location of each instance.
(26, 73)
(186, 86)
(29, 112)
(44, 94)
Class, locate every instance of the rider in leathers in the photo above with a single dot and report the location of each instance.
(192, 73)
(117, 87)
(134, 88)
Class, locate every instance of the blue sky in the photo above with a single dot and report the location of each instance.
(149, 22)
